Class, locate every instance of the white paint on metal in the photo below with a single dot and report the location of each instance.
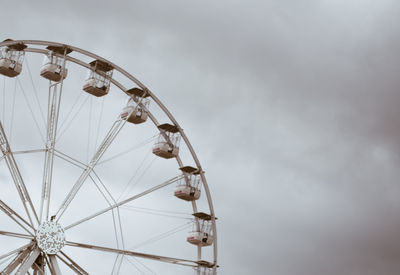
(50, 237)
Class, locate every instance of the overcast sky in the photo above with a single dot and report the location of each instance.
(292, 107)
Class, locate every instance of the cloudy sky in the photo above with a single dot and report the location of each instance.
(292, 107)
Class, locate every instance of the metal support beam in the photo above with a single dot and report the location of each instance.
(16, 176)
(22, 255)
(177, 261)
(55, 266)
(53, 111)
(168, 182)
(28, 262)
(71, 264)
(15, 217)
(15, 251)
(16, 235)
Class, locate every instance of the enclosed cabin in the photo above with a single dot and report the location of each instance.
(201, 234)
(188, 187)
(54, 64)
(136, 111)
(99, 79)
(11, 59)
(167, 144)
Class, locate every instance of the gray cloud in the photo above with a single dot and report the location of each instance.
(292, 108)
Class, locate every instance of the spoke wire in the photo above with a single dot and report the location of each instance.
(134, 183)
(145, 266)
(4, 98)
(12, 109)
(99, 123)
(120, 238)
(115, 263)
(101, 191)
(134, 147)
(35, 92)
(73, 118)
(6, 259)
(159, 210)
(164, 235)
(120, 228)
(112, 211)
(141, 272)
(128, 207)
(71, 109)
(89, 128)
(31, 111)
(133, 176)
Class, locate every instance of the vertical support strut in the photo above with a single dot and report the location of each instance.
(55, 266)
(53, 111)
(28, 262)
(16, 176)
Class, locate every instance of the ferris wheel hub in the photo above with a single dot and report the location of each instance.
(50, 237)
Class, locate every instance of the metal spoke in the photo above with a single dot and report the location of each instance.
(29, 151)
(54, 264)
(50, 267)
(117, 264)
(69, 159)
(15, 217)
(16, 175)
(115, 212)
(168, 182)
(28, 262)
(53, 111)
(71, 264)
(15, 251)
(24, 152)
(19, 259)
(111, 135)
(16, 235)
(171, 260)
(142, 264)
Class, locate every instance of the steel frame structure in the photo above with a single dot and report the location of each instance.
(30, 256)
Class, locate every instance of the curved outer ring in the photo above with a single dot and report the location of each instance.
(156, 100)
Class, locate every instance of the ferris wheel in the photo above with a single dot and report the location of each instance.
(88, 181)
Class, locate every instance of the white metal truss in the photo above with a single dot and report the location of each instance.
(28, 261)
(17, 178)
(54, 265)
(53, 111)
